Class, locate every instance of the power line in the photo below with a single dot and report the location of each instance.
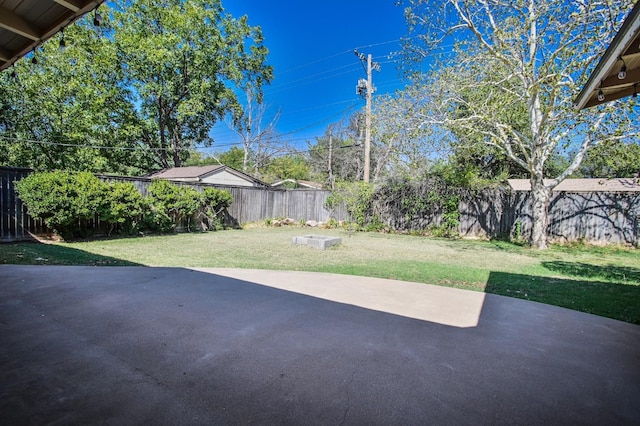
(312, 78)
(168, 149)
(106, 147)
(335, 55)
(291, 85)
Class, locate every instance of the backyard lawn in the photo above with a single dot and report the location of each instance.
(601, 281)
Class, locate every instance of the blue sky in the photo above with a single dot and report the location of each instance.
(311, 47)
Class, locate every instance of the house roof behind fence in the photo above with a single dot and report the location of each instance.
(301, 183)
(187, 172)
(197, 173)
(583, 185)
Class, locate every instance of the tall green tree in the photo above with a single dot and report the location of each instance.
(612, 159)
(185, 61)
(531, 54)
(290, 166)
(70, 110)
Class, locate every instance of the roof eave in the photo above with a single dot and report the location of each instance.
(626, 34)
(76, 10)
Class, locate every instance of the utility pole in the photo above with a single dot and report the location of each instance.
(366, 87)
(331, 180)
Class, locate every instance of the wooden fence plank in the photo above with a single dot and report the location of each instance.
(594, 217)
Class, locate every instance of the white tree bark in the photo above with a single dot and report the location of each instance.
(520, 60)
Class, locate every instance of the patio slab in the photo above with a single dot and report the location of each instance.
(138, 345)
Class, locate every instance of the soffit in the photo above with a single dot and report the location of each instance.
(26, 24)
(624, 49)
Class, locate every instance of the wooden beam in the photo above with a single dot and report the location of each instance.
(5, 56)
(611, 97)
(16, 24)
(74, 5)
(634, 47)
(633, 76)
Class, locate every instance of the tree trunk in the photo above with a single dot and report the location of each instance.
(540, 196)
(163, 140)
(177, 161)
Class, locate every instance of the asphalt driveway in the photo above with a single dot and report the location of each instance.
(171, 346)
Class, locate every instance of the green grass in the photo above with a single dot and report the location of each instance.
(599, 280)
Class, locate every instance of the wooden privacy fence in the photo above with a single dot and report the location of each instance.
(596, 217)
(15, 223)
(593, 217)
(249, 204)
(256, 204)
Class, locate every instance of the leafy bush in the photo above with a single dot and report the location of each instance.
(163, 201)
(65, 201)
(357, 199)
(214, 203)
(123, 207)
(172, 204)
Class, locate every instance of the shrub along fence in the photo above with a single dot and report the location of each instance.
(595, 217)
(249, 204)
(257, 204)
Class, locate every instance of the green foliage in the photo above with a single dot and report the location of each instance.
(65, 201)
(134, 94)
(184, 61)
(357, 199)
(123, 207)
(197, 158)
(450, 217)
(414, 205)
(217, 198)
(232, 158)
(56, 118)
(172, 205)
(517, 232)
(612, 159)
(213, 204)
(287, 167)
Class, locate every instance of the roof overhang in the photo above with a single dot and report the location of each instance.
(26, 24)
(624, 47)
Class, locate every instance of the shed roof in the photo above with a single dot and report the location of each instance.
(584, 185)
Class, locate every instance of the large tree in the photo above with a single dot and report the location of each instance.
(185, 61)
(136, 93)
(69, 109)
(519, 54)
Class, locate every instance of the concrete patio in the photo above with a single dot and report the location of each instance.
(134, 345)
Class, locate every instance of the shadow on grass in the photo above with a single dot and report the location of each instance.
(622, 274)
(36, 253)
(608, 299)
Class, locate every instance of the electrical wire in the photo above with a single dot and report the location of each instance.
(168, 149)
(290, 85)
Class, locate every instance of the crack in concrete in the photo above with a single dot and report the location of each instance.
(346, 410)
